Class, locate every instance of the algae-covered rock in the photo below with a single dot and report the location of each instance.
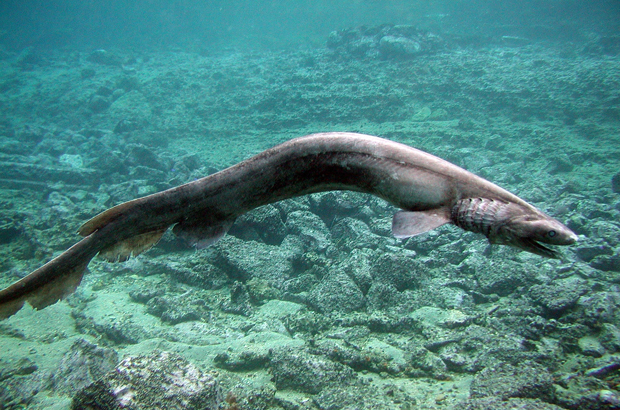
(600, 307)
(242, 361)
(336, 293)
(587, 393)
(351, 233)
(530, 380)
(364, 396)
(615, 183)
(385, 41)
(496, 403)
(161, 380)
(503, 277)
(383, 296)
(82, 365)
(394, 46)
(264, 223)
(244, 260)
(310, 229)
(558, 296)
(298, 370)
(399, 270)
(590, 346)
(239, 302)
(176, 309)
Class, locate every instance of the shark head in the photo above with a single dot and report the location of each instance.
(531, 230)
(509, 223)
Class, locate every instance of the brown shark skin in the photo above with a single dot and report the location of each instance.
(408, 178)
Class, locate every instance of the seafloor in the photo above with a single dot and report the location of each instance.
(310, 303)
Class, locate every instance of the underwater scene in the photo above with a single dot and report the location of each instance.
(335, 271)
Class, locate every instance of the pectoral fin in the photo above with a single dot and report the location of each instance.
(411, 223)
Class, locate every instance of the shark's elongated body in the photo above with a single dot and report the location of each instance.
(430, 191)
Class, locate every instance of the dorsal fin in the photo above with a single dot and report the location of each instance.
(107, 216)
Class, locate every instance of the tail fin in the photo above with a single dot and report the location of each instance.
(51, 282)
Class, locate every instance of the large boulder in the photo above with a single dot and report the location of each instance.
(160, 380)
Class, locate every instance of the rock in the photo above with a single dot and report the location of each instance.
(81, 366)
(502, 277)
(160, 380)
(600, 307)
(589, 252)
(607, 263)
(264, 223)
(243, 260)
(558, 296)
(298, 370)
(609, 231)
(98, 104)
(399, 270)
(610, 337)
(360, 396)
(615, 183)
(530, 380)
(590, 346)
(603, 371)
(104, 57)
(336, 293)
(239, 302)
(242, 361)
(29, 58)
(587, 393)
(139, 154)
(424, 363)
(175, 310)
(18, 392)
(495, 403)
(310, 229)
(399, 47)
(18, 367)
(385, 41)
(382, 296)
(336, 204)
(351, 233)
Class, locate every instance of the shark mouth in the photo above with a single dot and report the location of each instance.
(533, 246)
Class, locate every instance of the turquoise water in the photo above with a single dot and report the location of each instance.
(310, 302)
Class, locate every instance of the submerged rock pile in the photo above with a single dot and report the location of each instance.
(384, 42)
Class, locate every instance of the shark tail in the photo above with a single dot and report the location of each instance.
(51, 282)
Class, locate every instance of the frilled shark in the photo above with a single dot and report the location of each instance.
(429, 191)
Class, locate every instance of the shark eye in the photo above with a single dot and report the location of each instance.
(551, 233)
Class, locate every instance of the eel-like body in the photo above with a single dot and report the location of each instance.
(429, 191)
